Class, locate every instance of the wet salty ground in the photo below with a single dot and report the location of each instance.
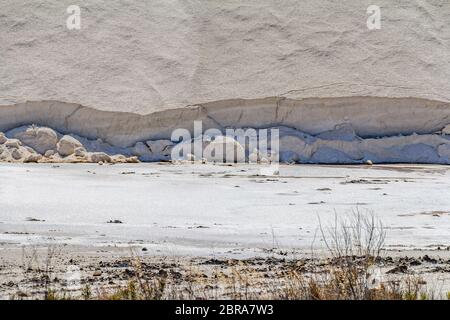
(205, 210)
(179, 216)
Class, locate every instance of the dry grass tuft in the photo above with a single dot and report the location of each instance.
(352, 271)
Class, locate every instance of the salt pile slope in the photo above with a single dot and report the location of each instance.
(134, 72)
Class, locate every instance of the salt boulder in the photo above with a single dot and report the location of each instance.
(40, 139)
(257, 156)
(49, 153)
(132, 160)
(34, 157)
(140, 149)
(4, 153)
(80, 152)
(289, 157)
(153, 150)
(67, 145)
(254, 157)
(444, 151)
(190, 157)
(29, 149)
(17, 154)
(21, 154)
(224, 149)
(294, 144)
(100, 157)
(118, 158)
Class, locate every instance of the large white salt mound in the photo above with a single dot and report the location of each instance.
(144, 56)
(137, 71)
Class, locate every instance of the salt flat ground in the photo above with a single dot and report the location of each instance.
(217, 210)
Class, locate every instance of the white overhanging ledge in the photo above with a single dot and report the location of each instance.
(312, 130)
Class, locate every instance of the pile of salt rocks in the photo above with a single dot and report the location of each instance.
(43, 144)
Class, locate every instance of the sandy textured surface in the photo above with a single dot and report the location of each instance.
(145, 56)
